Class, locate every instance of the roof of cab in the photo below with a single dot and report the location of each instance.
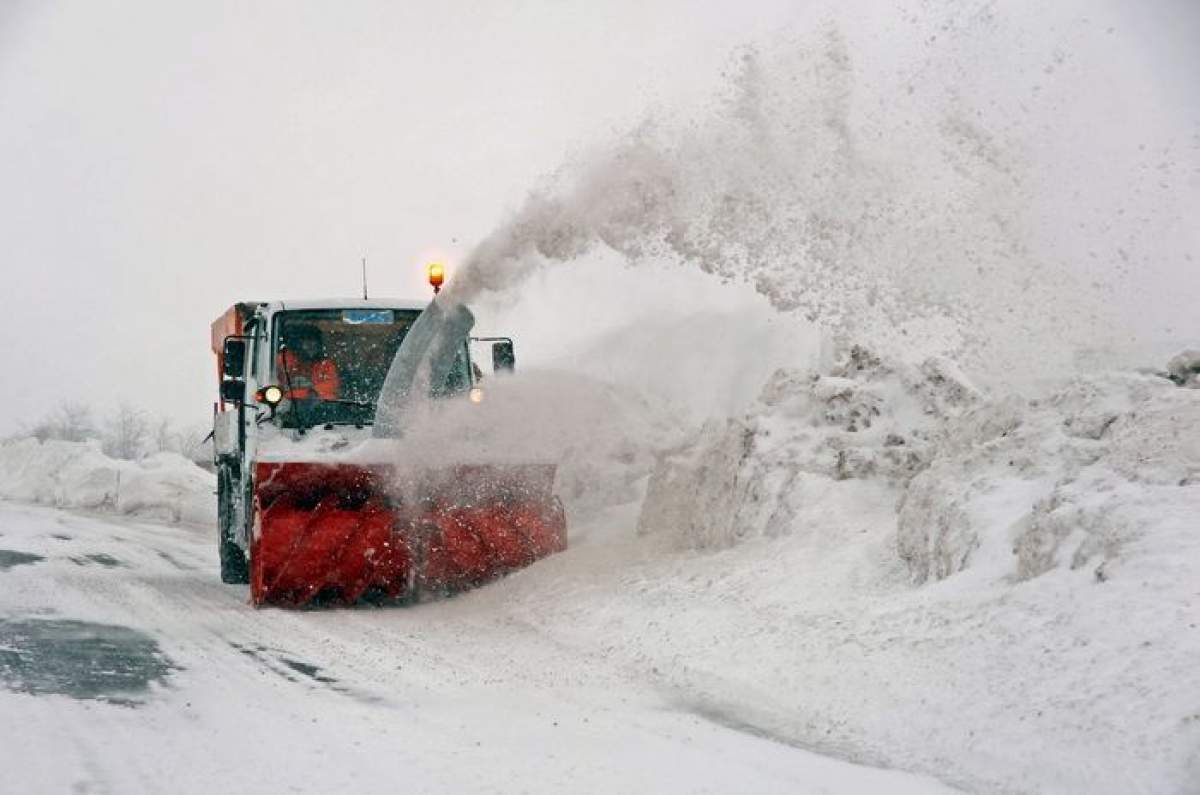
(348, 303)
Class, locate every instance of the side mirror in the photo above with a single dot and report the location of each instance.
(233, 359)
(233, 391)
(504, 358)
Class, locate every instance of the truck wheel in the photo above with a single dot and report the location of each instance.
(233, 559)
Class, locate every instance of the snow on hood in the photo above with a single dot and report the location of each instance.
(332, 444)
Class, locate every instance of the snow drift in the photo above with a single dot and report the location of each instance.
(747, 477)
(164, 486)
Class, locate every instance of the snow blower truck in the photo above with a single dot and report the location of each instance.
(306, 513)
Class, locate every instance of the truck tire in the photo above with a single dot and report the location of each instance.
(233, 559)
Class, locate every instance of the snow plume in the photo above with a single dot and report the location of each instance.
(878, 198)
(599, 436)
(772, 186)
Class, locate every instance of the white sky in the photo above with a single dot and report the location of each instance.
(160, 160)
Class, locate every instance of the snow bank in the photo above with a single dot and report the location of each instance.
(164, 486)
(1014, 486)
(751, 476)
(1022, 487)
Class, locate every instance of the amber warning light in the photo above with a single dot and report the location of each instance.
(437, 275)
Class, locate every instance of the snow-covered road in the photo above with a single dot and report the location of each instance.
(128, 667)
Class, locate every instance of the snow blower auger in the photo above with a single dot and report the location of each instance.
(321, 497)
(340, 533)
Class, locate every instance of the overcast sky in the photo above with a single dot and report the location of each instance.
(160, 160)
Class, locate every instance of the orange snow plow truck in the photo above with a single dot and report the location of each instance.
(309, 510)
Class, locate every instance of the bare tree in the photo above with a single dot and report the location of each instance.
(42, 430)
(165, 438)
(126, 432)
(70, 422)
(75, 422)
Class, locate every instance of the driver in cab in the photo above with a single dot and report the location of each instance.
(303, 368)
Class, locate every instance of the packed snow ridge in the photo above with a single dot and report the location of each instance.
(1085, 477)
(741, 477)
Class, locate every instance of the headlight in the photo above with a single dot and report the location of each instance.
(271, 395)
(476, 395)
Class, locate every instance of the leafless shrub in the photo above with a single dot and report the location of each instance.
(126, 433)
(70, 422)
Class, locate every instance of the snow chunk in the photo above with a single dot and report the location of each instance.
(1184, 369)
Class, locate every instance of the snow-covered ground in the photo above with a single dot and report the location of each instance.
(129, 667)
(879, 566)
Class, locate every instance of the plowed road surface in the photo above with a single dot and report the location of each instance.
(126, 666)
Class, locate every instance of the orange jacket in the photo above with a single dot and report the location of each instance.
(301, 379)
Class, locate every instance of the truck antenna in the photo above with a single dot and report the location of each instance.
(364, 274)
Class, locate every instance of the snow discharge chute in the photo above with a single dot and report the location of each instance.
(400, 518)
(423, 366)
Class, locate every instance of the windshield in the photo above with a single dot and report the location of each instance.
(331, 363)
